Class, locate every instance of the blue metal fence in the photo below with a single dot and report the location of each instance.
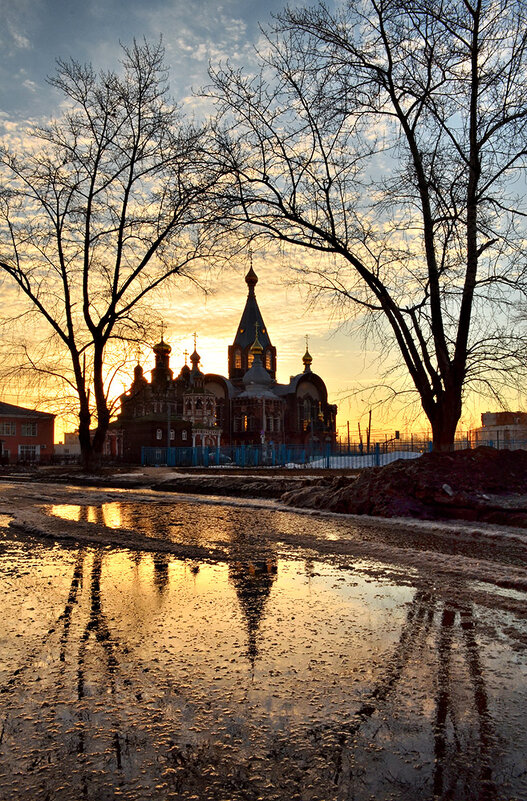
(288, 456)
(308, 456)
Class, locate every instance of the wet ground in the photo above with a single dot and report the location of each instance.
(166, 647)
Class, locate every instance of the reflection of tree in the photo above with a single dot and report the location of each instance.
(448, 756)
(445, 707)
(66, 616)
(96, 625)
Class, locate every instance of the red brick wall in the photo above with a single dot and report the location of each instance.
(43, 440)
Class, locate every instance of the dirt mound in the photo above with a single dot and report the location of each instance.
(435, 485)
(235, 486)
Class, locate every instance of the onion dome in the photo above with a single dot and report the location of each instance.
(162, 348)
(307, 358)
(139, 378)
(257, 379)
(256, 347)
(195, 358)
(251, 279)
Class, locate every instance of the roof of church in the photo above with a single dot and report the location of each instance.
(257, 381)
(294, 381)
(246, 332)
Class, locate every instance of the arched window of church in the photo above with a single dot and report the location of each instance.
(277, 424)
(183, 435)
(250, 359)
(268, 360)
(159, 433)
(238, 359)
(198, 403)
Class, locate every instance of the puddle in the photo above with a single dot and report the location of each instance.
(141, 676)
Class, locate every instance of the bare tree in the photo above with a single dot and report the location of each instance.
(389, 139)
(98, 210)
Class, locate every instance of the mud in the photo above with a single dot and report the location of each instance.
(483, 484)
(161, 646)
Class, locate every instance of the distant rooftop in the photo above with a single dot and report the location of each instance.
(8, 409)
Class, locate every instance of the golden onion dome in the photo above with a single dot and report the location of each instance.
(162, 348)
(256, 347)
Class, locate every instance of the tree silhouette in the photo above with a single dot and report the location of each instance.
(387, 139)
(99, 209)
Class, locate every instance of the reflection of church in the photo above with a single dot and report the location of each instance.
(253, 582)
(248, 407)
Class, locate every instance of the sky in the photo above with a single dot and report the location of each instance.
(37, 32)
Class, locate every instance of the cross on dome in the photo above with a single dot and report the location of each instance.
(195, 357)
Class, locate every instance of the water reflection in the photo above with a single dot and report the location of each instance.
(461, 769)
(161, 565)
(262, 678)
(253, 582)
(251, 578)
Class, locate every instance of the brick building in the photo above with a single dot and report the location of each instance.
(25, 434)
(502, 430)
(247, 407)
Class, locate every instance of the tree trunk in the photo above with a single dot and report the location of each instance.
(85, 437)
(445, 418)
(103, 415)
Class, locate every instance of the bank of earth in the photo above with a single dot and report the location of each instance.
(482, 484)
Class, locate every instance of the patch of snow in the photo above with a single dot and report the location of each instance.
(353, 462)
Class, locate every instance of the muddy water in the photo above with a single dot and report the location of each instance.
(274, 672)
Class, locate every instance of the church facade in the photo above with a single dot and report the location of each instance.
(246, 407)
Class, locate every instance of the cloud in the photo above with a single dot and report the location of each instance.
(17, 22)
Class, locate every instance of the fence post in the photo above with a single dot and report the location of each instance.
(328, 456)
(377, 454)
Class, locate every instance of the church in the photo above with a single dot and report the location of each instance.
(247, 407)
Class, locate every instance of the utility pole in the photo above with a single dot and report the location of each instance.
(168, 427)
(348, 423)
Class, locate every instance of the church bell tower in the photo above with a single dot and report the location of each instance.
(240, 356)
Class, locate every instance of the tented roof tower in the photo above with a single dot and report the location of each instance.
(251, 325)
